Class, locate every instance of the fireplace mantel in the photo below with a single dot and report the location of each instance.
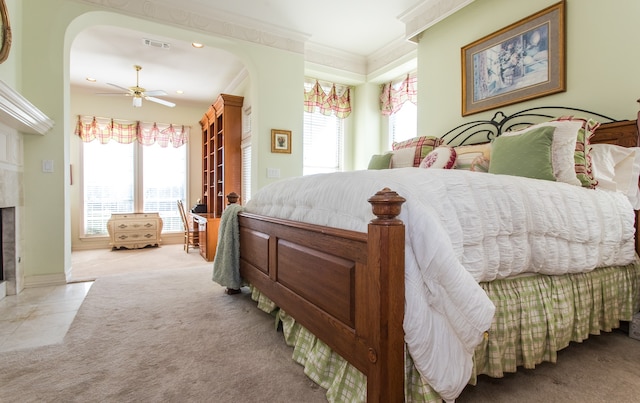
(17, 112)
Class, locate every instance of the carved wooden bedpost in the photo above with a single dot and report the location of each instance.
(385, 380)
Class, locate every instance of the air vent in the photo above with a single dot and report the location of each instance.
(156, 44)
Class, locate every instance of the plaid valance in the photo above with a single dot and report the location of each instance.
(394, 95)
(337, 102)
(91, 128)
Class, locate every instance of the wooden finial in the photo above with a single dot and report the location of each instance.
(386, 205)
(233, 197)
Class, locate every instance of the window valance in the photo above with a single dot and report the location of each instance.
(394, 94)
(91, 128)
(328, 98)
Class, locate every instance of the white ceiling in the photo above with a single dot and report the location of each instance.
(108, 53)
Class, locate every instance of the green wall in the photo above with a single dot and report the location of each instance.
(601, 58)
(47, 29)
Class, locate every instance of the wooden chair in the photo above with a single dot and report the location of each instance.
(191, 234)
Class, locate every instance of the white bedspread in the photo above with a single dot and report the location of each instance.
(464, 227)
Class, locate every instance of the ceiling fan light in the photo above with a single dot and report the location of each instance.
(137, 102)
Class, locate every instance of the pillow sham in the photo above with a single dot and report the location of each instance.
(480, 164)
(562, 148)
(380, 161)
(617, 168)
(443, 157)
(529, 156)
(582, 159)
(403, 157)
(468, 153)
(422, 146)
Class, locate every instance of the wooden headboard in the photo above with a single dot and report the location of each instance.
(624, 133)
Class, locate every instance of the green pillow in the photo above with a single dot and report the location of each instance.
(527, 155)
(380, 161)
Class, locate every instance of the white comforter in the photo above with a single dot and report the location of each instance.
(464, 227)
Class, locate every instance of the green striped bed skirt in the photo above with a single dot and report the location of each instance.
(536, 316)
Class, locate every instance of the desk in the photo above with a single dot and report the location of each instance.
(207, 225)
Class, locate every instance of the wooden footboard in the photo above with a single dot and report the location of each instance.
(345, 287)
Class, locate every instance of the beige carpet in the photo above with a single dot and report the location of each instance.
(162, 334)
(87, 265)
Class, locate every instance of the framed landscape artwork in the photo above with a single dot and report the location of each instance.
(522, 61)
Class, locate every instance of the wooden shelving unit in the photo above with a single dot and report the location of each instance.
(221, 160)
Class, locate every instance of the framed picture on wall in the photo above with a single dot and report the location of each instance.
(522, 61)
(280, 141)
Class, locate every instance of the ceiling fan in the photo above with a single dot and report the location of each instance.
(138, 93)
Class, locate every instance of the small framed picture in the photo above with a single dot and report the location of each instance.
(281, 141)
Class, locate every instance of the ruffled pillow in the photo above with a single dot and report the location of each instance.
(443, 157)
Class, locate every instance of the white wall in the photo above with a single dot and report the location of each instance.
(601, 58)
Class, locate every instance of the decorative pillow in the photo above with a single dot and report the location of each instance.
(403, 157)
(380, 161)
(581, 156)
(528, 156)
(467, 154)
(422, 146)
(480, 164)
(617, 168)
(443, 157)
(562, 148)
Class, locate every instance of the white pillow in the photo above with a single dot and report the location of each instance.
(443, 157)
(562, 148)
(403, 157)
(617, 168)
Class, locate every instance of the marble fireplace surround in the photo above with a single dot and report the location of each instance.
(18, 117)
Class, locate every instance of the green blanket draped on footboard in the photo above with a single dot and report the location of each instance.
(536, 316)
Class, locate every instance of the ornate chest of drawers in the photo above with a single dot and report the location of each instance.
(134, 230)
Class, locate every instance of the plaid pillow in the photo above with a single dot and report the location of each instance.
(582, 154)
(423, 145)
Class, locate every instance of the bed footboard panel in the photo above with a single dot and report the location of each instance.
(346, 287)
(309, 274)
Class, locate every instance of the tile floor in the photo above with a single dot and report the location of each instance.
(39, 316)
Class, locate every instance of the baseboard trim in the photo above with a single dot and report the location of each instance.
(44, 280)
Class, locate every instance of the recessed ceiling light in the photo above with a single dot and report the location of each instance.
(179, 92)
(197, 45)
(91, 79)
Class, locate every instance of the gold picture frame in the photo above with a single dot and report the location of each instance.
(522, 61)
(5, 32)
(280, 141)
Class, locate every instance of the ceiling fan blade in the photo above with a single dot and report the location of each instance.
(122, 88)
(120, 94)
(160, 101)
(155, 93)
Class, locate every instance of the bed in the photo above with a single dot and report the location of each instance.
(345, 276)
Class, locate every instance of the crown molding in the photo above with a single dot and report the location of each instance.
(427, 14)
(17, 112)
(210, 21)
(334, 58)
(394, 53)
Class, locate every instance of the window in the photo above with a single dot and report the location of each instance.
(326, 105)
(403, 124)
(398, 100)
(323, 143)
(126, 178)
(246, 171)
